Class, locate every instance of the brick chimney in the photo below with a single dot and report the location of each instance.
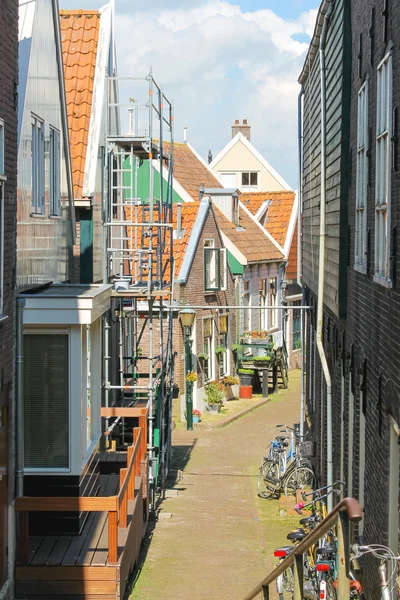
(244, 128)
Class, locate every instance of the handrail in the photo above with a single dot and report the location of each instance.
(347, 510)
(116, 506)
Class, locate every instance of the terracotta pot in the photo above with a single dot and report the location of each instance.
(254, 334)
(246, 392)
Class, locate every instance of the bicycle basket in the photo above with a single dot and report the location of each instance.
(308, 449)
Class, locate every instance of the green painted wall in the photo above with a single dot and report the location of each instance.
(143, 182)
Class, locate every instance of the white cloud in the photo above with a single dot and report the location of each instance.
(219, 63)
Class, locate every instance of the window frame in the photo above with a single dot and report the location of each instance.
(223, 340)
(38, 166)
(263, 317)
(383, 181)
(208, 350)
(249, 187)
(55, 166)
(362, 166)
(296, 333)
(272, 299)
(216, 260)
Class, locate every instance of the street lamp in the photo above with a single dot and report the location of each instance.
(187, 316)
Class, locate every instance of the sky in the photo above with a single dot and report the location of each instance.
(221, 60)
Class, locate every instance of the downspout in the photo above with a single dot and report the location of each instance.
(19, 371)
(321, 266)
(63, 102)
(299, 258)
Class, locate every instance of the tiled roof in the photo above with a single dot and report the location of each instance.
(190, 172)
(248, 238)
(79, 37)
(278, 213)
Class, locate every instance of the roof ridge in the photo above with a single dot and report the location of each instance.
(79, 12)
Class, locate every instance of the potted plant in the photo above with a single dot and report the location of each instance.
(196, 415)
(246, 387)
(254, 333)
(228, 382)
(220, 349)
(236, 348)
(202, 356)
(263, 334)
(214, 396)
(262, 361)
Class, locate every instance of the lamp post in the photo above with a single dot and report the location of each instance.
(187, 316)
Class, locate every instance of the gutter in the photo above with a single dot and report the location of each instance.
(321, 265)
(63, 102)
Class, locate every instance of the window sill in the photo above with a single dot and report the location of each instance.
(387, 283)
(3, 318)
(360, 269)
(37, 215)
(55, 217)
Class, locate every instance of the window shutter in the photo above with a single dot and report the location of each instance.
(46, 401)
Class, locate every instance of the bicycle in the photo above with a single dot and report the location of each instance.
(386, 556)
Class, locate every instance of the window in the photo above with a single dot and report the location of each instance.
(228, 180)
(383, 169)
(249, 182)
(54, 152)
(215, 267)
(208, 348)
(46, 401)
(273, 314)
(37, 166)
(296, 327)
(263, 303)
(2, 173)
(235, 210)
(247, 311)
(362, 179)
(1, 249)
(223, 342)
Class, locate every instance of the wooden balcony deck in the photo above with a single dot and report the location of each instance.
(89, 566)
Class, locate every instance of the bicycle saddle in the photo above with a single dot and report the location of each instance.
(327, 550)
(300, 534)
(307, 520)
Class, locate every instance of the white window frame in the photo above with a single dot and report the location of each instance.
(55, 163)
(272, 300)
(223, 340)
(263, 305)
(210, 350)
(247, 309)
(38, 165)
(250, 187)
(360, 249)
(383, 170)
(2, 135)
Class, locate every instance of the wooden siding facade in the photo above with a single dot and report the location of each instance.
(337, 127)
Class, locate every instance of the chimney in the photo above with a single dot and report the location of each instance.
(244, 129)
(185, 135)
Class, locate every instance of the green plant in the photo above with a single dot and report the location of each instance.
(202, 356)
(214, 393)
(220, 349)
(297, 345)
(246, 371)
(139, 352)
(230, 380)
(268, 357)
(236, 347)
(191, 377)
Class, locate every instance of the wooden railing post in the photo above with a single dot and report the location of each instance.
(23, 537)
(137, 458)
(143, 425)
(131, 483)
(343, 536)
(298, 568)
(112, 537)
(123, 509)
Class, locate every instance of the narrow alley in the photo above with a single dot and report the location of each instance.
(217, 517)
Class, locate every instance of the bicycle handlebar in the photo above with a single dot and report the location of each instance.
(341, 483)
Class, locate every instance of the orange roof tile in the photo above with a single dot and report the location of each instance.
(190, 172)
(79, 37)
(249, 239)
(278, 213)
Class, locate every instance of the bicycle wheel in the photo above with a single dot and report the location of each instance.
(301, 478)
(268, 479)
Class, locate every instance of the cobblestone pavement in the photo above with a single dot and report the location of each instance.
(219, 540)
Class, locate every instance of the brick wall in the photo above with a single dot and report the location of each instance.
(8, 112)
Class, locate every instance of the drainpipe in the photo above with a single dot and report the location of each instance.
(179, 220)
(321, 266)
(299, 207)
(19, 368)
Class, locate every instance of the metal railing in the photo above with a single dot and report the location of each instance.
(347, 511)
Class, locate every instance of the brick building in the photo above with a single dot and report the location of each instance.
(8, 194)
(360, 325)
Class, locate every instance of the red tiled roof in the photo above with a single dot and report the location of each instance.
(79, 37)
(278, 213)
(249, 239)
(190, 172)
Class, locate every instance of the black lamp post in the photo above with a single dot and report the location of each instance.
(187, 316)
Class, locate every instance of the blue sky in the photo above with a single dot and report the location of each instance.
(221, 60)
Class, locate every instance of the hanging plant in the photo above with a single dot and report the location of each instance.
(220, 349)
(191, 377)
(202, 356)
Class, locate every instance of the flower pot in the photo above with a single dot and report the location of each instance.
(245, 378)
(246, 392)
(214, 408)
(254, 334)
(196, 419)
(229, 395)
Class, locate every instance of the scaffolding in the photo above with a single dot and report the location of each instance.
(138, 262)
